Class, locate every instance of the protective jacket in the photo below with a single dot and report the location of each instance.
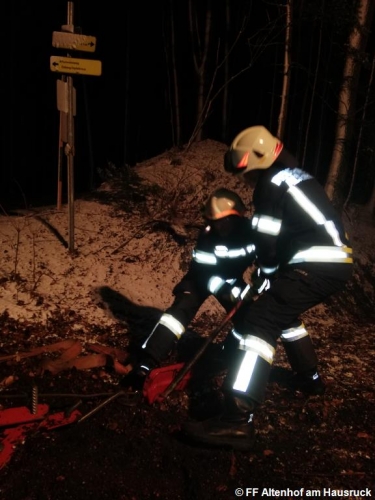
(217, 267)
(213, 257)
(295, 224)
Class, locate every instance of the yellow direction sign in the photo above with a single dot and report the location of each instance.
(75, 66)
(73, 41)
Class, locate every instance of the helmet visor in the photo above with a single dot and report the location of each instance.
(235, 162)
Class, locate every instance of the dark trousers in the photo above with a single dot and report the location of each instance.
(291, 294)
(184, 308)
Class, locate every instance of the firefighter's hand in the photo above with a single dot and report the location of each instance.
(134, 380)
(231, 292)
(260, 282)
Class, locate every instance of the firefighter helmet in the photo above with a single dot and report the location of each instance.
(253, 148)
(222, 203)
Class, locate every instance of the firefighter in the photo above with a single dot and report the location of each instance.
(302, 248)
(223, 252)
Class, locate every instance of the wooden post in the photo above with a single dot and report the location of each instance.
(69, 148)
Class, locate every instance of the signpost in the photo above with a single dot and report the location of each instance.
(73, 41)
(70, 65)
(66, 100)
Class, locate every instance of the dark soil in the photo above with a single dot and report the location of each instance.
(130, 449)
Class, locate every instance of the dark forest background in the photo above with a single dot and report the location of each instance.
(128, 114)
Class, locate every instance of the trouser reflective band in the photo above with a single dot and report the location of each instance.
(299, 348)
(163, 337)
(250, 376)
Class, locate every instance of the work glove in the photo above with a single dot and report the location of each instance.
(136, 378)
(225, 290)
(260, 282)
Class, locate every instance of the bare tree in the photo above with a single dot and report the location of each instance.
(371, 203)
(226, 71)
(357, 39)
(173, 88)
(287, 72)
(200, 43)
(313, 93)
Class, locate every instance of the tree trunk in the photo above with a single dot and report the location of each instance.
(224, 123)
(200, 52)
(347, 97)
(287, 74)
(371, 203)
(313, 94)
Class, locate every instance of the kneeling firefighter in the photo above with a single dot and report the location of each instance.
(223, 252)
(302, 248)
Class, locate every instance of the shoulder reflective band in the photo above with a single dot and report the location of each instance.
(290, 176)
(266, 224)
(204, 257)
(324, 254)
(293, 334)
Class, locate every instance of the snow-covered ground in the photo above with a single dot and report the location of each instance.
(134, 237)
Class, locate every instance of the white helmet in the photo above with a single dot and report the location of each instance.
(222, 203)
(253, 148)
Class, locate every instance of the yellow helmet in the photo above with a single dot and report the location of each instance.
(222, 203)
(253, 148)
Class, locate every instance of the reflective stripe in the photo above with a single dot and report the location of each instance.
(254, 348)
(235, 334)
(259, 346)
(311, 209)
(223, 252)
(245, 372)
(235, 292)
(204, 257)
(293, 334)
(265, 224)
(323, 254)
(169, 322)
(290, 176)
(269, 270)
(214, 284)
(264, 286)
(172, 324)
(245, 291)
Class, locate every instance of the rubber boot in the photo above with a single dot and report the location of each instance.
(233, 428)
(303, 360)
(308, 382)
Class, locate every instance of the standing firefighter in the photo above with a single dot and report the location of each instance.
(303, 250)
(223, 252)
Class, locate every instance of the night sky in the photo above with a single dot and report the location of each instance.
(30, 123)
(124, 115)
